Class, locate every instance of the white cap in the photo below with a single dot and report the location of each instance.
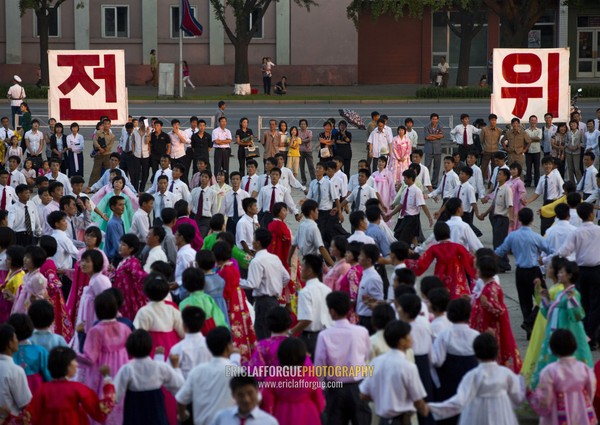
(17, 78)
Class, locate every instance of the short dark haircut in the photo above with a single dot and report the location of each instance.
(409, 174)
(452, 205)
(365, 171)
(467, 170)
(562, 211)
(145, 198)
(41, 313)
(112, 202)
(205, 259)
(315, 263)
(159, 232)
(163, 177)
(356, 217)
(242, 381)
(395, 331)
(37, 255)
(405, 276)
(132, 241)
(500, 155)
(76, 180)
(193, 318)
(96, 258)
(590, 154)
(59, 360)
(222, 251)
(488, 267)
(439, 299)
(372, 252)
(485, 347)
(7, 333)
(309, 206)
(22, 188)
(563, 343)
(156, 287)
(354, 248)
(15, 253)
(193, 279)
(526, 216)
(278, 320)
(399, 249)
(168, 215)
(373, 214)
(217, 222)
(54, 217)
(187, 232)
(339, 302)
(182, 207)
(263, 237)
(105, 305)
(441, 231)
(139, 344)
(410, 304)
(459, 310)
(22, 324)
(65, 201)
(430, 283)
(163, 268)
(217, 340)
(292, 352)
(584, 210)
(118, 294)
(382, 315)
(573, 199)
(247, 203)
(549, 160)
(7, 235)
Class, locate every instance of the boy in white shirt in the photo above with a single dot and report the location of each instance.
(177, 186)
(204, 203)
(192, 350)
(163, 198)
(164, 170)
(423, 177)
(244, 231)
(140, 224)
(438, 303)
(250, 182)
(448, 182)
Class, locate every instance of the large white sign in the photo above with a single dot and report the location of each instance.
(531, 82)
(86, 85)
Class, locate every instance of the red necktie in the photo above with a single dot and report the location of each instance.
(443, 185)
(404, 203)
(242, 421)
(200, 204)
(3, 202)
(272, 203)
(465, 144)
(266, 179)
(248, 185)
(9, 177)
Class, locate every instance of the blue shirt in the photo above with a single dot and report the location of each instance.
(114, 230)
(374, 231)
(33, 358)
(47, 339)
(105, 179)
(526, 246)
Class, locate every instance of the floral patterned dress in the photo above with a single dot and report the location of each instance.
(242, 330)
(129, 278)
(63, 325)
(489, 314)
(349, 284)
(280, 246)
(400, 157)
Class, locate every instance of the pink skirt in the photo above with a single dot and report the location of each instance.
(5, 309)
(35, 382)
(166, 340)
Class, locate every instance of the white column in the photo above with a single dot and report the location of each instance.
(12, 31)
(149, 29)
(563, 26)
(282, 32)
(216, 39)
(82, 24)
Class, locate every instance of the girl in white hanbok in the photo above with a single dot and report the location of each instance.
(487, 394)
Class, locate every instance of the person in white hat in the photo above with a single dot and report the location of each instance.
(16, 94)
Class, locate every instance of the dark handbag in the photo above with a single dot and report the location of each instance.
(251, 152)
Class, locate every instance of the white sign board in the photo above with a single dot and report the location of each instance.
(531, 82)
(86, 85)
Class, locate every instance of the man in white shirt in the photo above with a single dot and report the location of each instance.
(587, 185)
(114, 161)
(7, 193)
(76, 220)
(231, 207)
(476, 179)
(353, 180)
(550, 188)
(313, 314)
(266, 277)
(126, 147)
(154, 240)
(359, 224)
(462, 135)
(448, 182)
(308, 239)
(177, 187)
(139, 169)
(192, 350)
(371, 285)
(163, 198)
(412, 135)
(186, 255)
(361, 194)
(548, 132)
(16, 394)
(34, 140)
(287, 179)
(423, 177)
(208, 400)
(56, 175)
(66, 253)
(56, 192)
(178, 142)
(380, 143)
(140, 224)
(23, 217)
(559, 232)
(5, 132)
(188, 160)
(271, 194)
(500, 162)
(15, 177)
(204, 203)
(221, 138)
(16, 94)
(250, 182)
(164, 170)
(246, 226)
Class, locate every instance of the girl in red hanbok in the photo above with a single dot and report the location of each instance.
(65, 402)
(62, 323)
(489, 314)
(453, 263)
(350, 281)
(242, 331)
(281, 245)
(129, 276)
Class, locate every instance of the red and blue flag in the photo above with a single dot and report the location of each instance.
(189, 24)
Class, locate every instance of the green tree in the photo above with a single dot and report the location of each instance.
(241, 34)
(517, 18)
(44, 10)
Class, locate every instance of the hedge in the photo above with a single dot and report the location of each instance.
(31, 91)
(454, 92)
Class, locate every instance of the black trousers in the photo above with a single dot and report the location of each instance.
(468, 218)
(546, 223)
(139, 171)
(125, 164)
(242, 160)
(524, 278)
(222, 161)
(366, 321)
(23, 239)
(264, 218)
(267, 84)
(262, 307)
(186, 161)
(384, 277)
(66, 285)
(308, 158)
(589, 287)
(231, 225)
(310, 340)
(330, 227)
(500, 226)
(155, 163)
(532, 162)
(203, 225)
(343, 406)
(408, 228)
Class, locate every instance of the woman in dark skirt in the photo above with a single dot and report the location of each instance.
(343, 140)
(244, 138)
(75, 144)
(58, 145)
(326, 141)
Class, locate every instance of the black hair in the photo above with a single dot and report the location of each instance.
(118, 294)
(162, 268)
(291, 352)
(7, 237)
(309, 206)
(16, 254)
(217, 222)
(395, 331)
(222, 251)
(571, 268)
(315, 263)
(485, 347)
(354, 248)
(217, 340)
(526, 216)
(365, 171)
(263, 237)
(439, 299)
(399, 249)
(410, 174)
(96, 258)
(405, 276)
(459, 310)
(563, 211)
(278, 320)
(373, 214)
(584, 210)
(187, 232)
(410, 304)
(382, 315)
(105, 305)
(452, 205)
(488, 267)
(182, 208)
(37, 255)
(563, 343)
(573, 199)
(517, 166)
(7, 333)
(132, 241)
(21, 188)
(193, 318)
(372, 252)
(339, 302)
(356, 217)
(205, 259)
(145, 198)
(59, 360)
(114, 200)
(41, 313)
(139, 344)
(168, 215)
(54, 217)
(159, 232)
(441, 231)
(341, 243)
(156, 287)
(242, 381)
(22, 324)
(193, 279)
(403, 290)
(246, 203)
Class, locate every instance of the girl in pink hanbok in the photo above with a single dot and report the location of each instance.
(566, 388)
(35, 285)
(129, 276)
(104, 345)
(384, 181)
(400, 155)
(337, 249)
(351, 280)
(519, 193)
(91, 264)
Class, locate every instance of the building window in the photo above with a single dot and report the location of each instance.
(53, 25)
(176, 21)
(253, 18)
(115, 21)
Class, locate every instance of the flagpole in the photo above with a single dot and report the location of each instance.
(180, 62)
